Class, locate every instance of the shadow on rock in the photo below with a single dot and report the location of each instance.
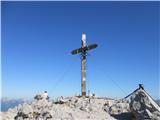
(123, 116)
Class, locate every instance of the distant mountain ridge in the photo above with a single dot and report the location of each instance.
(7, 103)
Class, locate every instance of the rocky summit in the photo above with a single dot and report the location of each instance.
(143, 107)
(139, 107)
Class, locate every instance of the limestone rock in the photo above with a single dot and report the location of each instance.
(119, 107)
(143, 106)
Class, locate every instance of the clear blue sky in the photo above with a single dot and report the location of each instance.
(37, 38)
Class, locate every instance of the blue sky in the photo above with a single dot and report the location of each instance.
(37, 38)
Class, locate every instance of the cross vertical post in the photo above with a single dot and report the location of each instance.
(83, 81)
(83, 67)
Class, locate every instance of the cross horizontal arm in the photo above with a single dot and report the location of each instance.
(76, 51)
(92, 46)
(82, 49)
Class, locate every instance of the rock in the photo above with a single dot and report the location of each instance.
(42, 96)
(35, 115)
(61, 100)
(26, 108)
(38, 97)
(73, 108)
(20, 116)
(143, 106)
(46, 115)
(118, 107)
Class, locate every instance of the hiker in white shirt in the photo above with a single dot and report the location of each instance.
(45, 95)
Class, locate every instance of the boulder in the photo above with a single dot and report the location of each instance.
(21, 116)
(143, 107)
(46, 115)
(118, 107)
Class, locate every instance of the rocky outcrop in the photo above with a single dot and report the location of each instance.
(69, 108)
(143, 107)
(119, 107)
